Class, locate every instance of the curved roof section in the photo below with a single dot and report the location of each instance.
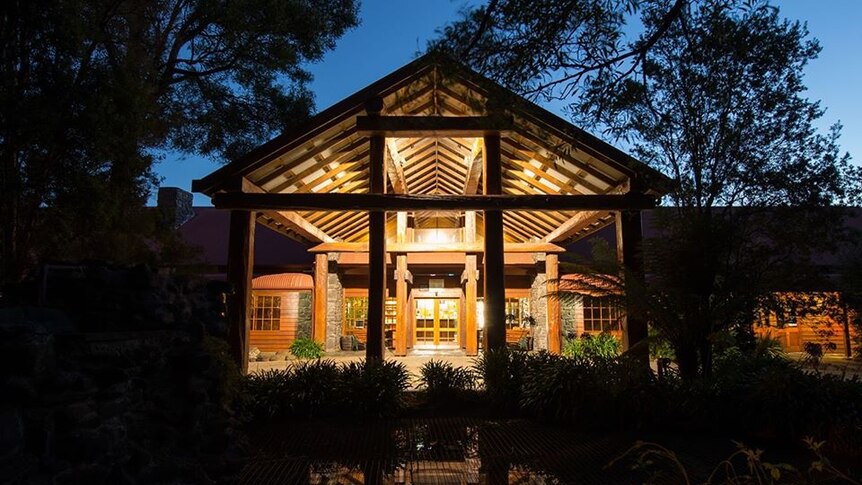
(541, 154)
(283, 281)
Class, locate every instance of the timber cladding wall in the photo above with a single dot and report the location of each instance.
(819, 329)
(293, 318)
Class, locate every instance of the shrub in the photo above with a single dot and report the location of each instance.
(768, 346)
(593, 393)
(306, 348)
(265, 393)
(502, 373)
(373, 389)
(443, 381)
(601, 346)
(313, 389)
(659, 346)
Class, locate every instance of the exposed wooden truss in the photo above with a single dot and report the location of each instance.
(434, 147)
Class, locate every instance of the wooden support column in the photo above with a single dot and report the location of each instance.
(401, 308)
(374, 346)
(848, 343)
(555, 327)
(240, 266)
(321, 284)
(629, 242)
(470, 293)
(494, 274)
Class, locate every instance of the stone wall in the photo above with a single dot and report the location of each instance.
(334, 301)
(539, 311)
(303, 323)
(572, 312)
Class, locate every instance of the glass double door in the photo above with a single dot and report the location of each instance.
(436, 324)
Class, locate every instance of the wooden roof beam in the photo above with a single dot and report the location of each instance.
(289, 219)
(400, 202)
(395, 167)
(574, 225)
(473, 162)
(462, 247)
(431, 126)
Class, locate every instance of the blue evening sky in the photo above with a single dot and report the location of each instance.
(393, 32)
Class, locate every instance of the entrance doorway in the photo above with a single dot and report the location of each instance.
(436, 324)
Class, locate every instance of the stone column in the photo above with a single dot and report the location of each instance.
(539, 308)
(334, 305)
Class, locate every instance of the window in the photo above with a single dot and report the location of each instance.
(786, 315)
(600, 315)
(355, 311)
(266, 313)
(517, 312)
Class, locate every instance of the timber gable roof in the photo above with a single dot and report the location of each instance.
(542, 154)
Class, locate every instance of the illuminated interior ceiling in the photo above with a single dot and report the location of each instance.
(334, 158)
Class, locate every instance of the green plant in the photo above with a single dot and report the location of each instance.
(659, 346)
(306, 348)
(768, 346)
(265, 393)
(744, 466)
(372, 388)
(502, 373)
(443, 381)
(813, 353)
(313, 388)
(601, 346)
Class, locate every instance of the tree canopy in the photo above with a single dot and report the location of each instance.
(712, 93)
(90, 89)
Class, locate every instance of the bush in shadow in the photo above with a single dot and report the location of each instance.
(502, 373)
(445, 383)
(322, 388)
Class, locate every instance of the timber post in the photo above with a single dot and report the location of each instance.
(321, 286)
(401, 293)
(240, 268)
(494, 274)
(376, 242)
(470, 289)
(629, 245)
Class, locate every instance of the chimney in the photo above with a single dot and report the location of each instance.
(175, 205)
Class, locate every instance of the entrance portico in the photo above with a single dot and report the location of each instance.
(417, 176)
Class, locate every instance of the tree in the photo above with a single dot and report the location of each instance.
(714, 97)
(91, 89)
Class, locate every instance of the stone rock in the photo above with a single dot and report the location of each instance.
(253, 354)
(265, 356)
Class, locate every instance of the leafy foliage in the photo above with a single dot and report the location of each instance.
(443, 381)
(373, 389)
(322, 388)
(92, 90)
(746, 465)
(712, 94)
(306, 348)
(502, 372)
(602, 346)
